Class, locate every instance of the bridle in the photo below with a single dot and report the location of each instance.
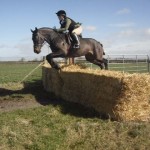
(46, 40)
(43, 38)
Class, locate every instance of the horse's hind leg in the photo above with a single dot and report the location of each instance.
(90, 57)
(105, 61)
(99, 63)
(98, 54)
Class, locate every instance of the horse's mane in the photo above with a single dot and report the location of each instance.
(46, 28)
(49, 30)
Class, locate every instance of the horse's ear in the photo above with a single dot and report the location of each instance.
(36, 28)
(31, 30)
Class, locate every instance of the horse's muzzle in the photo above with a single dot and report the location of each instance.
(37, 50)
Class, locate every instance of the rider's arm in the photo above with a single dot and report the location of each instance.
(68, 22)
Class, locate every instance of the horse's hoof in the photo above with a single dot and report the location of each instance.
(102, 67)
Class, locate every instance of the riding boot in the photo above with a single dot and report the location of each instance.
(75, 40)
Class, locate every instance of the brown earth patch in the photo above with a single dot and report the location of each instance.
(15, 96)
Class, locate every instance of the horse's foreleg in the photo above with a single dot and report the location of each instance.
(50, 60)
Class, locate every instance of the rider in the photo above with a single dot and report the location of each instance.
(69, 24)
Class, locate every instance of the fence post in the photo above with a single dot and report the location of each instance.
(108, 58)
(123, 64)
(137, 66)
(44, 59)
(148, 64)
(71, 60)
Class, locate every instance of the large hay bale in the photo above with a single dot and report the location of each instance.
(123, 96)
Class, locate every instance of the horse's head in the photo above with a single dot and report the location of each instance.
(38, 40)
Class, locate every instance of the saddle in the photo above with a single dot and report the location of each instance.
(69, 40)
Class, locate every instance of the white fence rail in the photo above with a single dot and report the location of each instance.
(129, 63)
(126, 63)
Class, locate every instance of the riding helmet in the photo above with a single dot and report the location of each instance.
(61, 12)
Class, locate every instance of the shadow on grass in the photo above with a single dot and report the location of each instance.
(36, 89)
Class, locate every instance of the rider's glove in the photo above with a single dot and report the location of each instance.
(54, 28)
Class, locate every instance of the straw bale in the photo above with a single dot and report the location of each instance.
(123, 96)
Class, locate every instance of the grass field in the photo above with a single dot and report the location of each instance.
(15, 72)
(57, 124)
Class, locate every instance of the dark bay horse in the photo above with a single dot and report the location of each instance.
(90, 48)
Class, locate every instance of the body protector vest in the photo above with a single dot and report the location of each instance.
(72, 25)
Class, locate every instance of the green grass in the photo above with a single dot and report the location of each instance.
(51, 128)
(15, 72)
(58, 124)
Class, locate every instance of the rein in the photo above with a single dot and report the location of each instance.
(52, 39)
(64, 42)
(61, 37)
(43, 38)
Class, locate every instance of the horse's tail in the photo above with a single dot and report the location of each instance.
(102, 47)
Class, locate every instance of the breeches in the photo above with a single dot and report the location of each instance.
(78, 30)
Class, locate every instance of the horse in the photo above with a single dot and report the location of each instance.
(60, 47)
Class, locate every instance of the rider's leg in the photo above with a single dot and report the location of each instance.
(74, 36)
(75, 40)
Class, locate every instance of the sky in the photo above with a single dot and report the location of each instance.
(122, 26)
